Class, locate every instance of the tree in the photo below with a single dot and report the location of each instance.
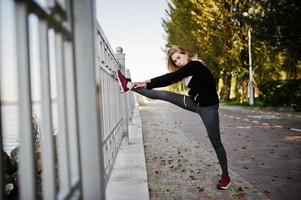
(216, 31)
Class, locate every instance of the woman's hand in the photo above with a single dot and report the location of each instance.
(141, 84)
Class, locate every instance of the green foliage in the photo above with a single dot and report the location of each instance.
(281, 93)
(277, 24)
(233, 102)
(216, 31)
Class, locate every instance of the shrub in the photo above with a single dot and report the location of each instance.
(281, 93)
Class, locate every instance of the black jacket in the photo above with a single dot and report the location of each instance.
(202, 84)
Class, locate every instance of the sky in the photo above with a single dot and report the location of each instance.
(136, 26)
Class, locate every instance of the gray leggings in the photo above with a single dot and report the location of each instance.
(209, 115)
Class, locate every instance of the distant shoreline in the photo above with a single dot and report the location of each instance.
(5, 102)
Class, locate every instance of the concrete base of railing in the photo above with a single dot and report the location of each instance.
(141, 100)
(128, 180)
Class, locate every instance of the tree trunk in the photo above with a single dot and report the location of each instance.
(226, 89)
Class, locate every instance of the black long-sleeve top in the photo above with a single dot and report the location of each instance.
(202, 84)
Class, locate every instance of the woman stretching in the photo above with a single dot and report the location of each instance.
(202, 97)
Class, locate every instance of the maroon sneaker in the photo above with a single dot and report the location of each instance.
(224, 182)
(124, 83)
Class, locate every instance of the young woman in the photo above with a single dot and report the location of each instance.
(202, 97)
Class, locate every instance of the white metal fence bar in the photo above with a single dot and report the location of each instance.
(1, 142)
(62, 136)
(47, 145)
(88, 112)
(26, 167)
(71, 102)
(2, 189)
(72, 115)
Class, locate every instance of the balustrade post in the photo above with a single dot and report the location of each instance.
(120, 56)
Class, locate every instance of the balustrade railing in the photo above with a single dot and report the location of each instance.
(65, 75)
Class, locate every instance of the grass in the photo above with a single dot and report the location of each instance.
(234, 102)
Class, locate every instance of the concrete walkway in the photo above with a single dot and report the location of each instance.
(181, 166)
(174, 170)
(128, 180)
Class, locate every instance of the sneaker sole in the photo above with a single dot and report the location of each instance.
(224, 188)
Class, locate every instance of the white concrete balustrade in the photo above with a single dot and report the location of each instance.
(62, 51)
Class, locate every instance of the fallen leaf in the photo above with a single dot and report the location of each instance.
(239, 189)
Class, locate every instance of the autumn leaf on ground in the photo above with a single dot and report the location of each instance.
(200, 189)
(169, 161)
(239, 189)
(285, 156)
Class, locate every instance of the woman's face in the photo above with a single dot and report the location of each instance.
(179, 59)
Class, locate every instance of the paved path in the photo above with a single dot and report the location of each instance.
(264, 160)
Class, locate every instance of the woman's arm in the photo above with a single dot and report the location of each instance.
(172, 77)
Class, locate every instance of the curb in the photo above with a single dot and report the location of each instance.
(128, 180)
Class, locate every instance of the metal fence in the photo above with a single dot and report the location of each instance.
(116, 108)
(65, 69)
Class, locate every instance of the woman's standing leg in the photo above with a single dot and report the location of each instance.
(210, 118)
(208, 114)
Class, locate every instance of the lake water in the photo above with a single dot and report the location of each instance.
(11, 129)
